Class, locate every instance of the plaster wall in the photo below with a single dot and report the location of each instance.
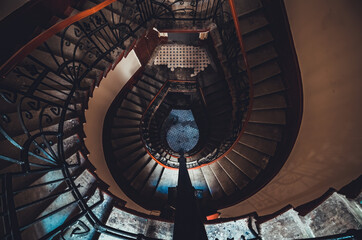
(98, 106)
(328, 151)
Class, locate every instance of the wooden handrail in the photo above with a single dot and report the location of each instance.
(37, 41)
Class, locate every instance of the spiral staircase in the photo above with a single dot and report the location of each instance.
(49, 188)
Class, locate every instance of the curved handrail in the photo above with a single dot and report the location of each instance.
(38, 40)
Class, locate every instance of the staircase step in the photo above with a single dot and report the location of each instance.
(138, 99)
(168, 179)
(247, 7)
(247, 168)
(124, 132)
(129, 152)
(251, 22)
(150, 187)
(257, 38)
(134, 105)
(273, 101)
(260, 144)
(269, 86)
(101, 205)
(272, 132)
(268, 117)
(150, 77)
(213, 184)
(140, 180)
(293, 228)
(198, 182)
(68, 49)
(148, 85)
(122, 122)
(239, 178)
(265, 70)
(257, 158)
(141, 93)
(131, 171)
(123, 142)
(260, 55)
(223, 178)
(52, 217)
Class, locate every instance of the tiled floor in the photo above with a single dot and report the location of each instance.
(183, 133)
(183, 56)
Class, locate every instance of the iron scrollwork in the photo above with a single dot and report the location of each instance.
(47, 90)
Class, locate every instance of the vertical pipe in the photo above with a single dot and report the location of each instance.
(188, 220)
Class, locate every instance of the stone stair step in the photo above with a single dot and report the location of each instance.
(213, 184)
(125, 154)
(226, 183)
(238, 177)
(265, 71)
(198, 182)
(260, 144)
(247, 168)
(153, 180)
(273, 101)
(251, 22)
(142, 177)
(272, 132)
(257, 158)
(273, 116)
(131, 171)
(269, 86)
(55, 211)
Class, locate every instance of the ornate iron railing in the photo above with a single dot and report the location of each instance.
(43, 97)
(192, 10)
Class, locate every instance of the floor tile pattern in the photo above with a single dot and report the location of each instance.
(183, 56)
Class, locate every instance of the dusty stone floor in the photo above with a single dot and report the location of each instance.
(183, 132)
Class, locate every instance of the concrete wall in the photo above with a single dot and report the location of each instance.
(327, 36)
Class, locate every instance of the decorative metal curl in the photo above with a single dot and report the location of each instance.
(98, 20)
(87, 26)
(31, 69)
(8, 96)
(28, 114)
(67, 43)
(34, 104)
(77, 32)
(5, 118)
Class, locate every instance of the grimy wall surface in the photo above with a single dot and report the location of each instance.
(328, 152)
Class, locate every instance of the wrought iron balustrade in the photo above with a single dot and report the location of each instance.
(186, 10)
(43, 98)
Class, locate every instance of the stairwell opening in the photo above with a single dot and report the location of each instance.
(182, 132)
